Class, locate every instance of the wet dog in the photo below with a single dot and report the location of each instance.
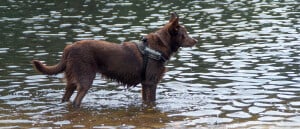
(128, 63)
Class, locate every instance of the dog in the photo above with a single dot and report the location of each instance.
(128, 63)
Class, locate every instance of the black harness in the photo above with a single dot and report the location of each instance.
(148, 53)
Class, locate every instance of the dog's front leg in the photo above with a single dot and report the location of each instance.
(149, 92)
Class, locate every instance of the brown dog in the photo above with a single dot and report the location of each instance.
(128, 63)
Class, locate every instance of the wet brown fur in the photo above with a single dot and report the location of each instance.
(123, 63)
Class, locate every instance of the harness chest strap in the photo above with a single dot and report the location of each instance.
(148, 53)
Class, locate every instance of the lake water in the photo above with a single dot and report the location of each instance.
(244, 73)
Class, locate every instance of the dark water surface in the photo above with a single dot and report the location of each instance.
(243, 73)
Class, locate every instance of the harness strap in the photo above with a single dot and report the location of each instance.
(148, 53)
(141, 48)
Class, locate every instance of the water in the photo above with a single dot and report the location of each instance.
(243, 73)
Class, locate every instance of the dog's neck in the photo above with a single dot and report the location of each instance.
(161, 41)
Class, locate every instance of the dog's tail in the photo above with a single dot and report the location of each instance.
(51, 70)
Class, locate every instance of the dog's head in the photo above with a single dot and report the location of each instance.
(174, 35)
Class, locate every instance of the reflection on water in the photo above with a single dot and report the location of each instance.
(243, 73)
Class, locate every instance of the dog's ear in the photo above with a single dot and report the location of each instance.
(174, 20)
(173, 16)
(174, 23)
(170, 29)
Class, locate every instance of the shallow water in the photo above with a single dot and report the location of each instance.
(243, 73)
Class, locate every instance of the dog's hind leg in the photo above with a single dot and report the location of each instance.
(69, 90)
(84, 84)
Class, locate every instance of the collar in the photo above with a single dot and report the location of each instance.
(150, 53)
